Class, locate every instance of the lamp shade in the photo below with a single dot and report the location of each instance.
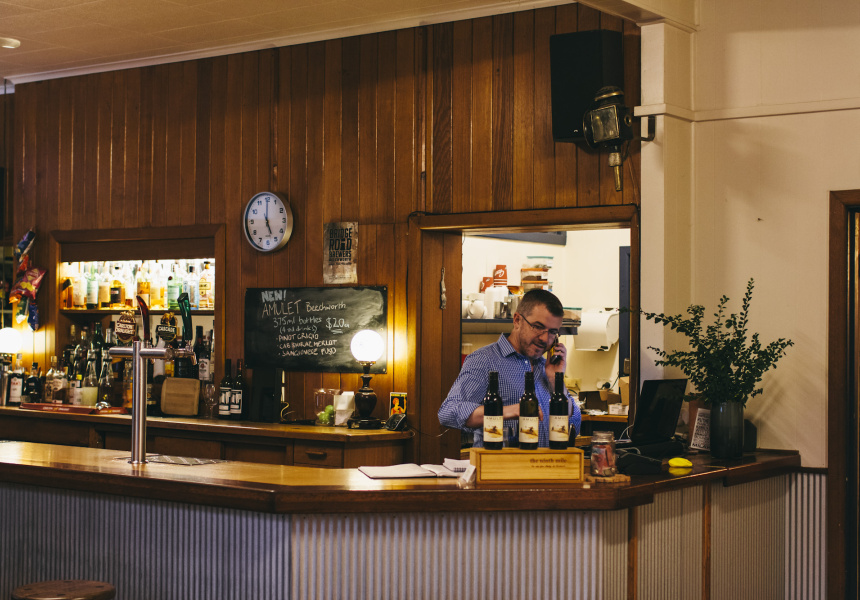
(367, 346)
(10, 341)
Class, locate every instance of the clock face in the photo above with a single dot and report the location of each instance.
(268, 222)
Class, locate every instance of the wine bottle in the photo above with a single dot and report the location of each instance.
(238, 396)
(494, 426)
(201, 352)
(559, 422)
(225, 391)
(529, 415)
(15, 383)
(90, 382)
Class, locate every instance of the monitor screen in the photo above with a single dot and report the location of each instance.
(657, 410)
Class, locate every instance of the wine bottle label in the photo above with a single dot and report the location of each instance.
(224, 401)
(203, 369)
(529, 429)
(236, 402)
(494, 428)
(559, 428)
(16, 385)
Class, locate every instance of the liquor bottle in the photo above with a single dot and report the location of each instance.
(32, 390)
(157, 282)
(50, 376)
(105, 393)
(15, 383)
(60, 393)
(494, 425)
(559, 421)
(92, 286)
(144, 284)
(97, 342)
(90, 382)
(201, 352)
(206, 287)
(104, 285)
(79, 293)
(129, 284)
(173, 288)
(67, 287)
(117, 287)
(238, 395)
(225, 391)
(69, 349)
(529, 415)
(81, 351)
(191, 286)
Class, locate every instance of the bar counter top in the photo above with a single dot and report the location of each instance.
(293, 489)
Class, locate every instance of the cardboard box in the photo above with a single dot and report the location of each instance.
(512, 465)
(624, 390)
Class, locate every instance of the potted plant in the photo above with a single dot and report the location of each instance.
(725, 364)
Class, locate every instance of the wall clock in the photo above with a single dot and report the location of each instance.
(268, 222)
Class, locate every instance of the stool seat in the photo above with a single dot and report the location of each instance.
(65, 589)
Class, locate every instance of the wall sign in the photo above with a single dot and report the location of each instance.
(340, 252)
(310, 329)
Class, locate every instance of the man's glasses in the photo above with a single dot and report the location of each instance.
(541, 329)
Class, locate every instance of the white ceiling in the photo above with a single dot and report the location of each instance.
(60, 38)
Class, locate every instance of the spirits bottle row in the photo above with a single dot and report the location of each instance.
(85, 374)
(112, 285)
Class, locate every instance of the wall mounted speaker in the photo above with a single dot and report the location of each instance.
(580, 64)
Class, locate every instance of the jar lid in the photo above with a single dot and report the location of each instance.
(602, 436)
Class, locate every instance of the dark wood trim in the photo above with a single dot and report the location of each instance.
(837, 390)
(554, 219)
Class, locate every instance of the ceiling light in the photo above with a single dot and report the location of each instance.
(9, 42)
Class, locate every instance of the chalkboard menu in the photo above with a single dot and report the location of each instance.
(310, 329)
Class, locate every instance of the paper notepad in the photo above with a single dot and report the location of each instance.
(407, 470)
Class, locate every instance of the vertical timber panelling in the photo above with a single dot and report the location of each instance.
(448, 118)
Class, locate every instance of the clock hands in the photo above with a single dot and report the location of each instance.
(267, 217)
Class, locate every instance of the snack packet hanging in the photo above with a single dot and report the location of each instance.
(25, 244)
(27, 285)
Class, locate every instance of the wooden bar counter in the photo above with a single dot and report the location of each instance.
(249, 530)
(271, 443)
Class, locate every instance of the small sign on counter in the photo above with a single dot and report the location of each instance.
(512, 465)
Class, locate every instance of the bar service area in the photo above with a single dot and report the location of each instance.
(386, 315)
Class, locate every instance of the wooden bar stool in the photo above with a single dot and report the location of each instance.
(65, 589)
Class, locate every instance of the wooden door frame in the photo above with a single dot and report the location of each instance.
(838, 389)
(423, 291)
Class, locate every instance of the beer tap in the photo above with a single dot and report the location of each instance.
(139, 351)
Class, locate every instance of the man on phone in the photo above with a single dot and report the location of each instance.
(535, 332)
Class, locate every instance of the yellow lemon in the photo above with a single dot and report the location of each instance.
(679, 462)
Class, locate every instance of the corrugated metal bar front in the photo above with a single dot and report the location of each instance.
(669, 549)
(805, 575)
(149, 550)
(504, 556)
(748, 540)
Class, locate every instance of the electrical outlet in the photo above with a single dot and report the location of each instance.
(626, 368)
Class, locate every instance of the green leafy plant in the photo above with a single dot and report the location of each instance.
(724, 363)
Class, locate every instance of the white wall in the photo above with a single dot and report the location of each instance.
(775, 124)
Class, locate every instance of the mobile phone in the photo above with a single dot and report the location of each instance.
(554, 359)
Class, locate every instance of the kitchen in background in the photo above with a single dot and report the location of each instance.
(583, 272)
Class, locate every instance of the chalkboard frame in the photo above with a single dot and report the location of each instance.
(262, 331)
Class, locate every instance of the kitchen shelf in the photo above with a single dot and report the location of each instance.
(568, 327)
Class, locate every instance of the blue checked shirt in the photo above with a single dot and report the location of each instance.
(471, 384)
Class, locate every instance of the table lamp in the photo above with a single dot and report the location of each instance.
(366, 346)
(10, 344)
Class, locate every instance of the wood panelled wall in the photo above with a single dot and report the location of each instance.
(443, 119)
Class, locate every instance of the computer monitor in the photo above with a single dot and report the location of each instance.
(657, 411)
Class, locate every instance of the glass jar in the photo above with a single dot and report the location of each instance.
(603, 454)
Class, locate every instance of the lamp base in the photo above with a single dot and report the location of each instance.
(359, 423)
